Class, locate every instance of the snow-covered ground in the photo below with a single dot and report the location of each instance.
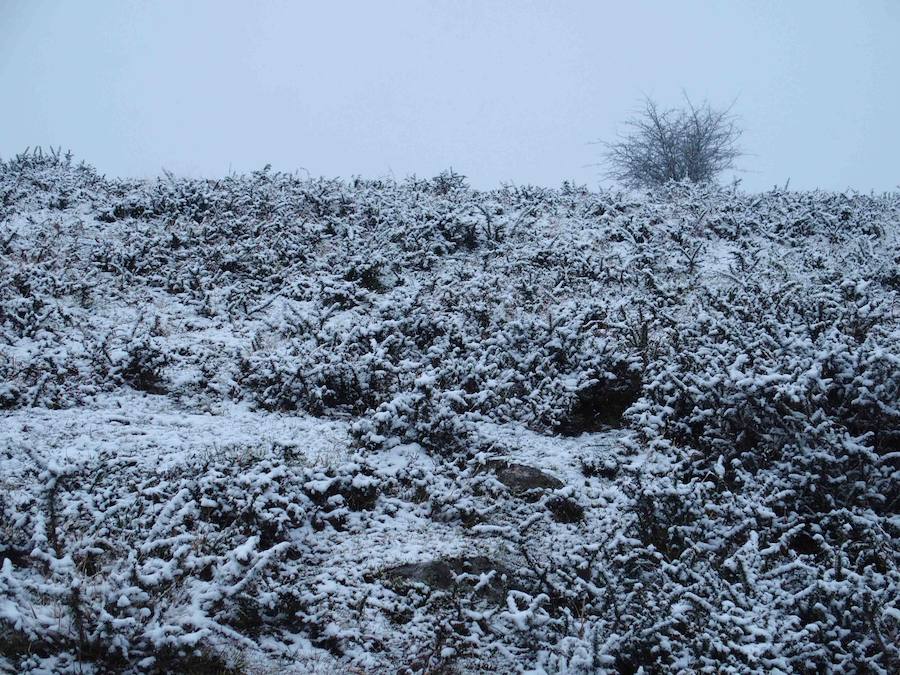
(140, 437)
(155, 431)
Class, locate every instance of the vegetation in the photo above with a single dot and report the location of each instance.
(578, 431)
(694, 143)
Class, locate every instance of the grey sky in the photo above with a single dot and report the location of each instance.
(500, 91)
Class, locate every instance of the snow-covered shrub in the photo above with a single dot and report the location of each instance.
(121, 567)
(733, 358)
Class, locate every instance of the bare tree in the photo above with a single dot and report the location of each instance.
(696, 142)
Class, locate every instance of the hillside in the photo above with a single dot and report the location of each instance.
(278, 424)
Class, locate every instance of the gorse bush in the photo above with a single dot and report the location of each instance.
(718, 372)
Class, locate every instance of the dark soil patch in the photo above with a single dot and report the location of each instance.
(600, 407)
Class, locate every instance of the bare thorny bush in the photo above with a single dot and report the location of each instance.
(694, 143)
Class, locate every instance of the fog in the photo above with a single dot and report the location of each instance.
(499, 91)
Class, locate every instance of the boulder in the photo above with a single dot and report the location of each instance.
(525, 481)
(441, 574)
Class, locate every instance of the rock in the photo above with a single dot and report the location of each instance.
(434, 573)
(441, 574)
(525, 481)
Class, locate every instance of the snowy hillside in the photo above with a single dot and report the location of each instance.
(272, 424)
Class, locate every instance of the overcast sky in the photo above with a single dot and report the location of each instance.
(500, 91)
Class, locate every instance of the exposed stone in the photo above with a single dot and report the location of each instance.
(434, 573)
(441, 574)
(525, 481)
